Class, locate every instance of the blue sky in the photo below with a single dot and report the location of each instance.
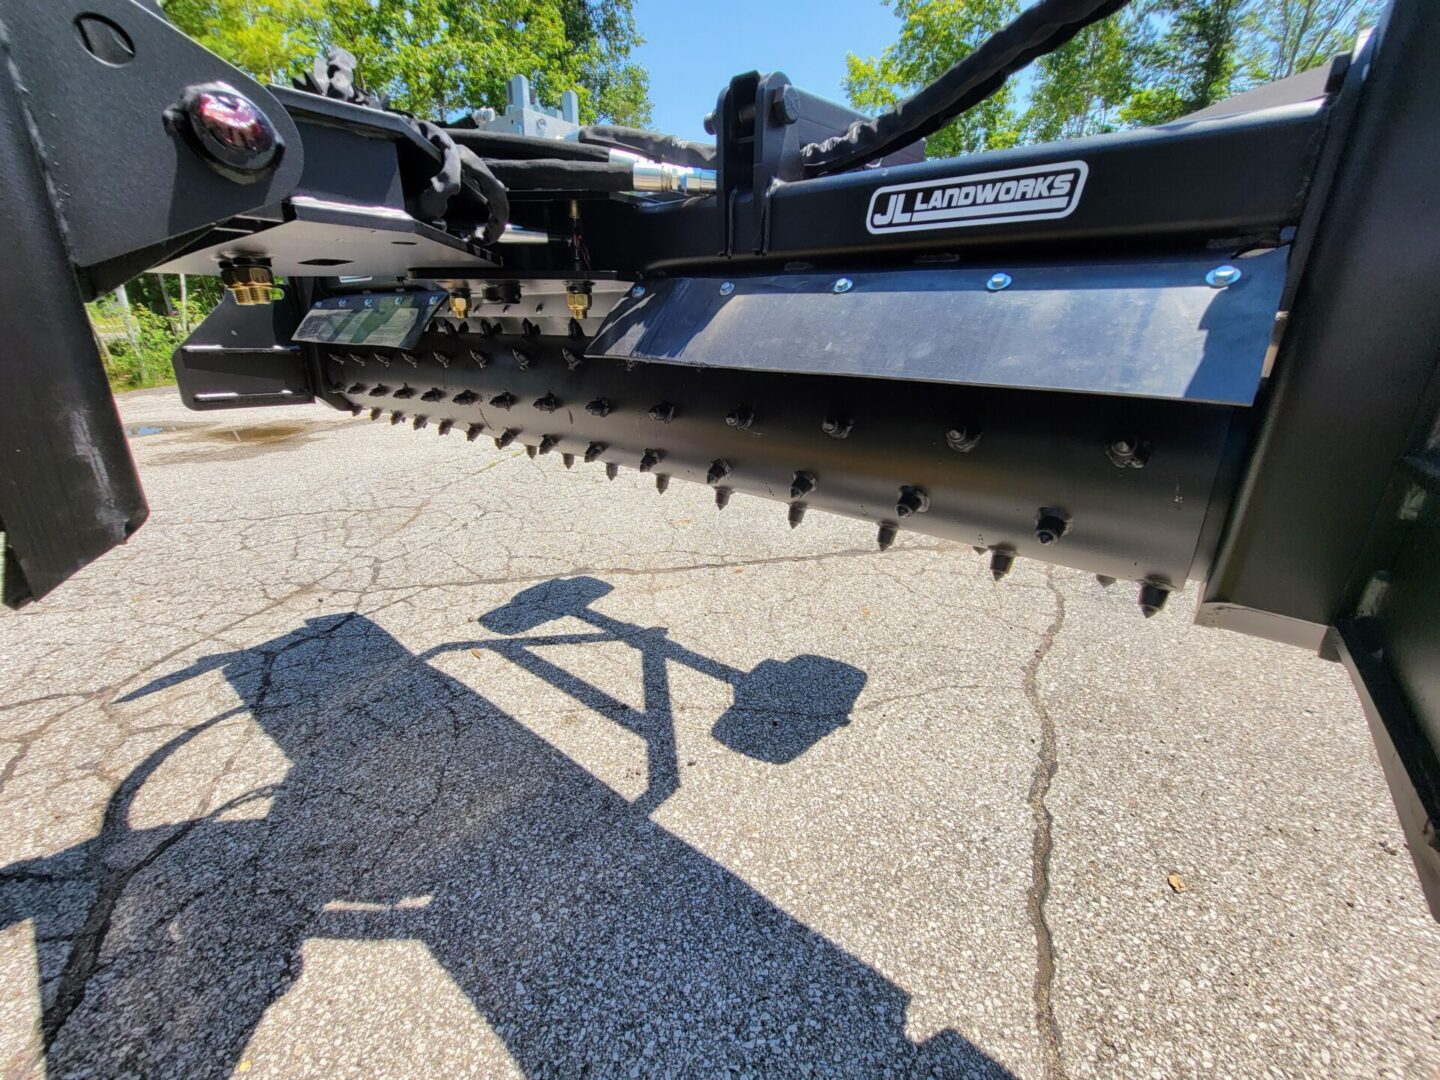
(692, 49)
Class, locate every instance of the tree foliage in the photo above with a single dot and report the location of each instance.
(1149, 64)
(438, 58)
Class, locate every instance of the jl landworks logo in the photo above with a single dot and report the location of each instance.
(1031, 194)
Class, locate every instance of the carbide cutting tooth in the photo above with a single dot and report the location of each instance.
(480, 357)
(355, 388)
(722, 497)
(662, 482)
(548, 403)
(611, 470)
(912, 500)
(719, 470)
(664, 412)
(381, 359)
(376, 413)
(1105, 580)
(593, 451)
(978, 549)
(409, 358)
(441, 359)
(802, 484)
(380, 390)
(505, 438)
(462, 327)
(396, 417)
(530, 450)
(521, 357)
(529, 329)
(338, 358)
(444, 427)
(466, 397)
(1152, 598)
(356, 359)
(1000, 563)
(572, 358)
(420, 422)
(356, 410)
(548, 443)
(650, 459)
(886, 536)
(503, 400)
(433, 394)
(568, 460)
(576, 330)
(484, 329)
(600, 407)
(405, 392)
(447, 327)
(474, 431)
(797, 513)
(837, 427)
(740, 417)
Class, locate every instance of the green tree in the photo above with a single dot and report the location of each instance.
(1194, 63)
(935, 34)
(439, 58)
(1286, 37)
(1079, 88)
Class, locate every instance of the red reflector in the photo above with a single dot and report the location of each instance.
(230, 129)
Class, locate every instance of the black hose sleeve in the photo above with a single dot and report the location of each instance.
(651, 145)
(1036, 31)
(501, 145)
(497, 199)
(564, 175)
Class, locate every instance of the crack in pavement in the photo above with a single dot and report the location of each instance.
(1039, 891)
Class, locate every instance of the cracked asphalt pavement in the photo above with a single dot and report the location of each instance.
(381, 754)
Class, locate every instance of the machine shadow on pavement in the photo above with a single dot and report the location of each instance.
(592, 941)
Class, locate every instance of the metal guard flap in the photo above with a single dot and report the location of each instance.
(1148, 328)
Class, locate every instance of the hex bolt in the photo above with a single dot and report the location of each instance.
(443, 428)
(1105, 580)
(719, 470)
(740, 417)
(1000, 562)
(727, 288)
(912, 500)
(521, 357)
(650, 459)
(420, 422)
(999, 281)
(503, 400)
(962, 438)
(433, 394)
(797, 513)
(842, 285)
(593, 451)
(380, 390)
(785, 105)
(1220, 278)
(600, 407)
(568, 460)
(662, 482)
(1050, 525)
(505, 438)
(466, 397)
(802, 484)
(548, 403)
(376, 413)
(548, 443)
(663, 412)
(396, 418)
(480, 357)
(722, 497)
(886, 536)
(1128, 453)
(571, 357)
(611, 470)
(638, 291)
(837, 427)
(355, 388)
(474, 431)
(405, 391)
(1152, 597)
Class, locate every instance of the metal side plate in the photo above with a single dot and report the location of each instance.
(1149, 328)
